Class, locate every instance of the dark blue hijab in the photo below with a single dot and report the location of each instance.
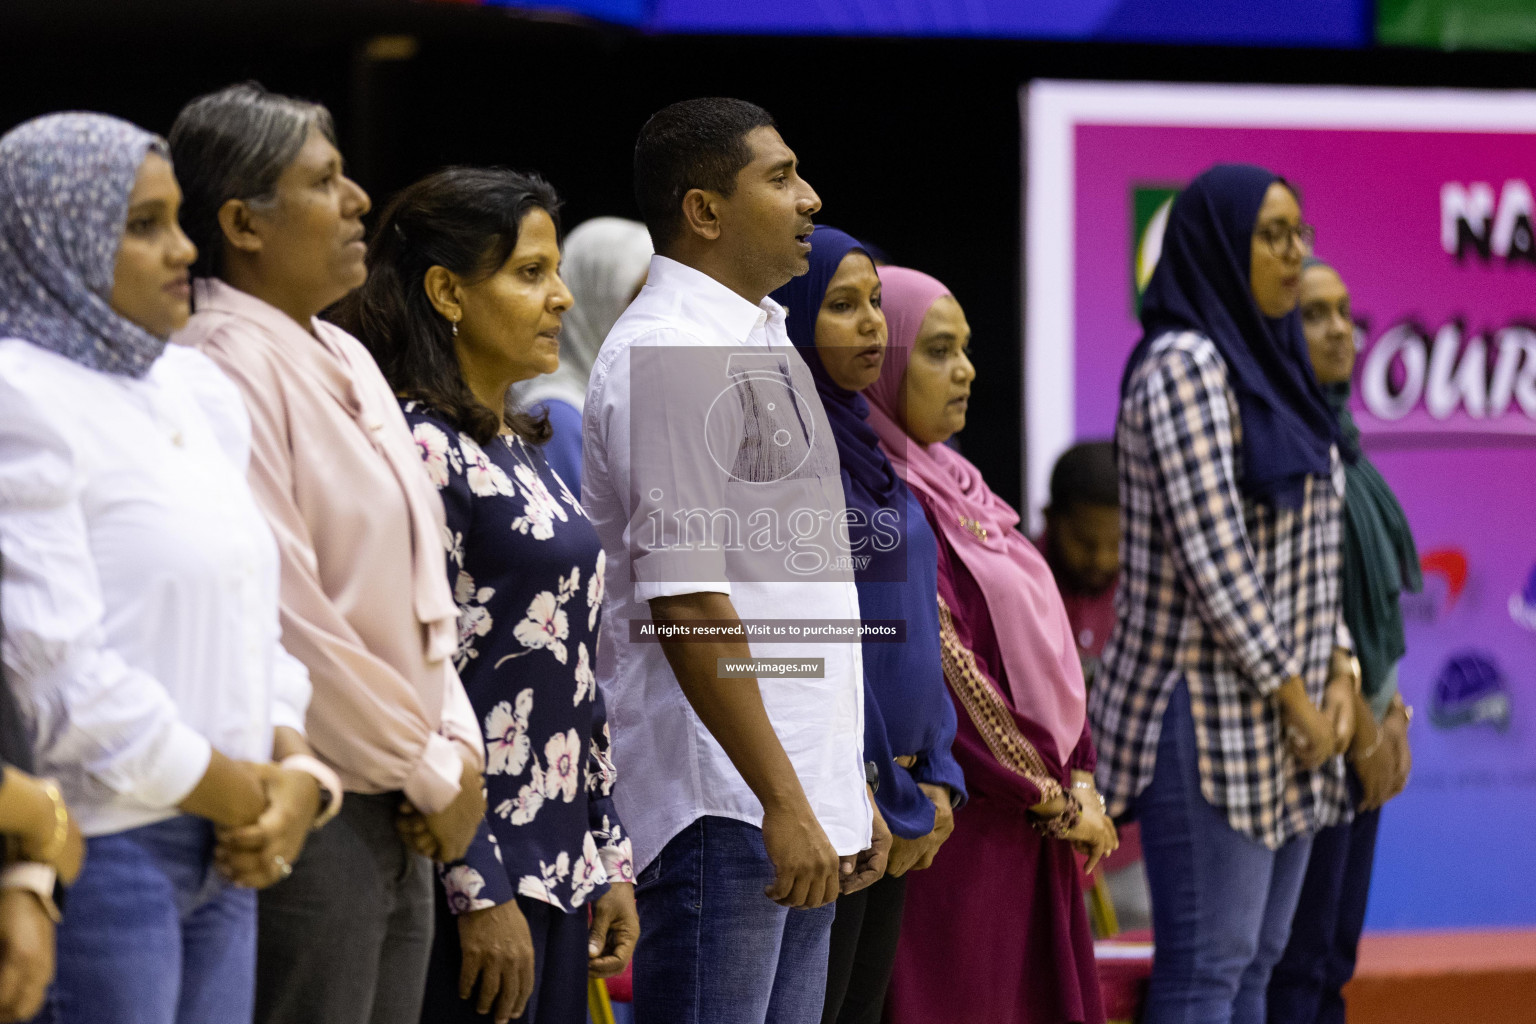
(1201, 284)
(858, 446)
(907, 709)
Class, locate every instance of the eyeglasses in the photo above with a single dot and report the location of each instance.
(1279, 236)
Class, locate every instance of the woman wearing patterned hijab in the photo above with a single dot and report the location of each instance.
(1206, 709)
(140, 587)
(996, 930)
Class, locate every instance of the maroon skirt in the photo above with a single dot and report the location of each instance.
(995, 932)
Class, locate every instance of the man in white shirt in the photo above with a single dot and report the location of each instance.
(710, 473)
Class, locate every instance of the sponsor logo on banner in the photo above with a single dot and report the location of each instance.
(1150, 206)
(1469, 690)
(1445, 579)
(1522, 603)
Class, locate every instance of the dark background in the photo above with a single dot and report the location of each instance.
(912, 144)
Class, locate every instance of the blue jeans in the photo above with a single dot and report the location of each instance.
(1221, 902)
(713, 949)
(154, 934)
(1306, 986)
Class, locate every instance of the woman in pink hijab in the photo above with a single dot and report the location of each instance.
(996, 930)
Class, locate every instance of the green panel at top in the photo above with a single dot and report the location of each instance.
(1457, 24)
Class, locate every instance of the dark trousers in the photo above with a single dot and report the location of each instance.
(559, 968)
(863, 951)
(345, 939)
(1306, 985)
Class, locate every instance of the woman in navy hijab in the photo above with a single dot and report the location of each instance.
(834, 319)
(1207, 710)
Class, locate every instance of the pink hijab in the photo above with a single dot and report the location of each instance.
(1045, 677)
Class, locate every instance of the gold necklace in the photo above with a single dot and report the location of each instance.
(977, 530)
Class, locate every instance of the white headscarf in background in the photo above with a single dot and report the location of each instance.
(604, 260)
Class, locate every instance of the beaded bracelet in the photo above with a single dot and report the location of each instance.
(1062, 824)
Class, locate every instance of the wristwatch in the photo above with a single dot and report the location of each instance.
(41, 881)
(872, 776)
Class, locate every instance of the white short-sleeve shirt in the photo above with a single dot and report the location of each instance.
(709, 466)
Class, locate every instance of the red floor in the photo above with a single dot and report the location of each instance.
(1402, 978)
(1445, 978)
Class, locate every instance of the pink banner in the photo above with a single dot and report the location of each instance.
(1432, 230)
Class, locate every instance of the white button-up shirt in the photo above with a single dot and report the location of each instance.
(709, 466)
(140, 590)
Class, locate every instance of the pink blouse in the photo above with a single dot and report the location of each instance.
(365, 605)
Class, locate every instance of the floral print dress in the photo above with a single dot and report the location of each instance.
(527, 573)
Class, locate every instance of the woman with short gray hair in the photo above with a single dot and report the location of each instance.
(140, 600)
(365, 604)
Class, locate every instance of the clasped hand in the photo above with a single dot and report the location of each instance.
(1383, 765)
(496, 970)
(863, 869)
(1094, 835)
(917, 854)
(263, 852)
(1313, 735)
(807, 870)
(445, 835)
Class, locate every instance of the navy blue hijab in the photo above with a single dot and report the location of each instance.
(858, 446)
(1201, 284)
(907, 709)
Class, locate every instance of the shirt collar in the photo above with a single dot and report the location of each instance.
(320, 352)
(708, 299)
(212, 293)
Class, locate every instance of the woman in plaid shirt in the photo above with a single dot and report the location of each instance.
(1207, 712)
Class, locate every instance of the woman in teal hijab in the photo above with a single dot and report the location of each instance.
(1380, 562)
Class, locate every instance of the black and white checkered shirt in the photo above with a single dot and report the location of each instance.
(1232, 595)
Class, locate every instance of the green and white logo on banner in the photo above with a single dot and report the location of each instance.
(1149, 219)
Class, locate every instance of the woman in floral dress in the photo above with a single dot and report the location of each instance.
(463, 299)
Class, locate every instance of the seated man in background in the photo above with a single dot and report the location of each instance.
(1081, 543)
(1082, 546)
